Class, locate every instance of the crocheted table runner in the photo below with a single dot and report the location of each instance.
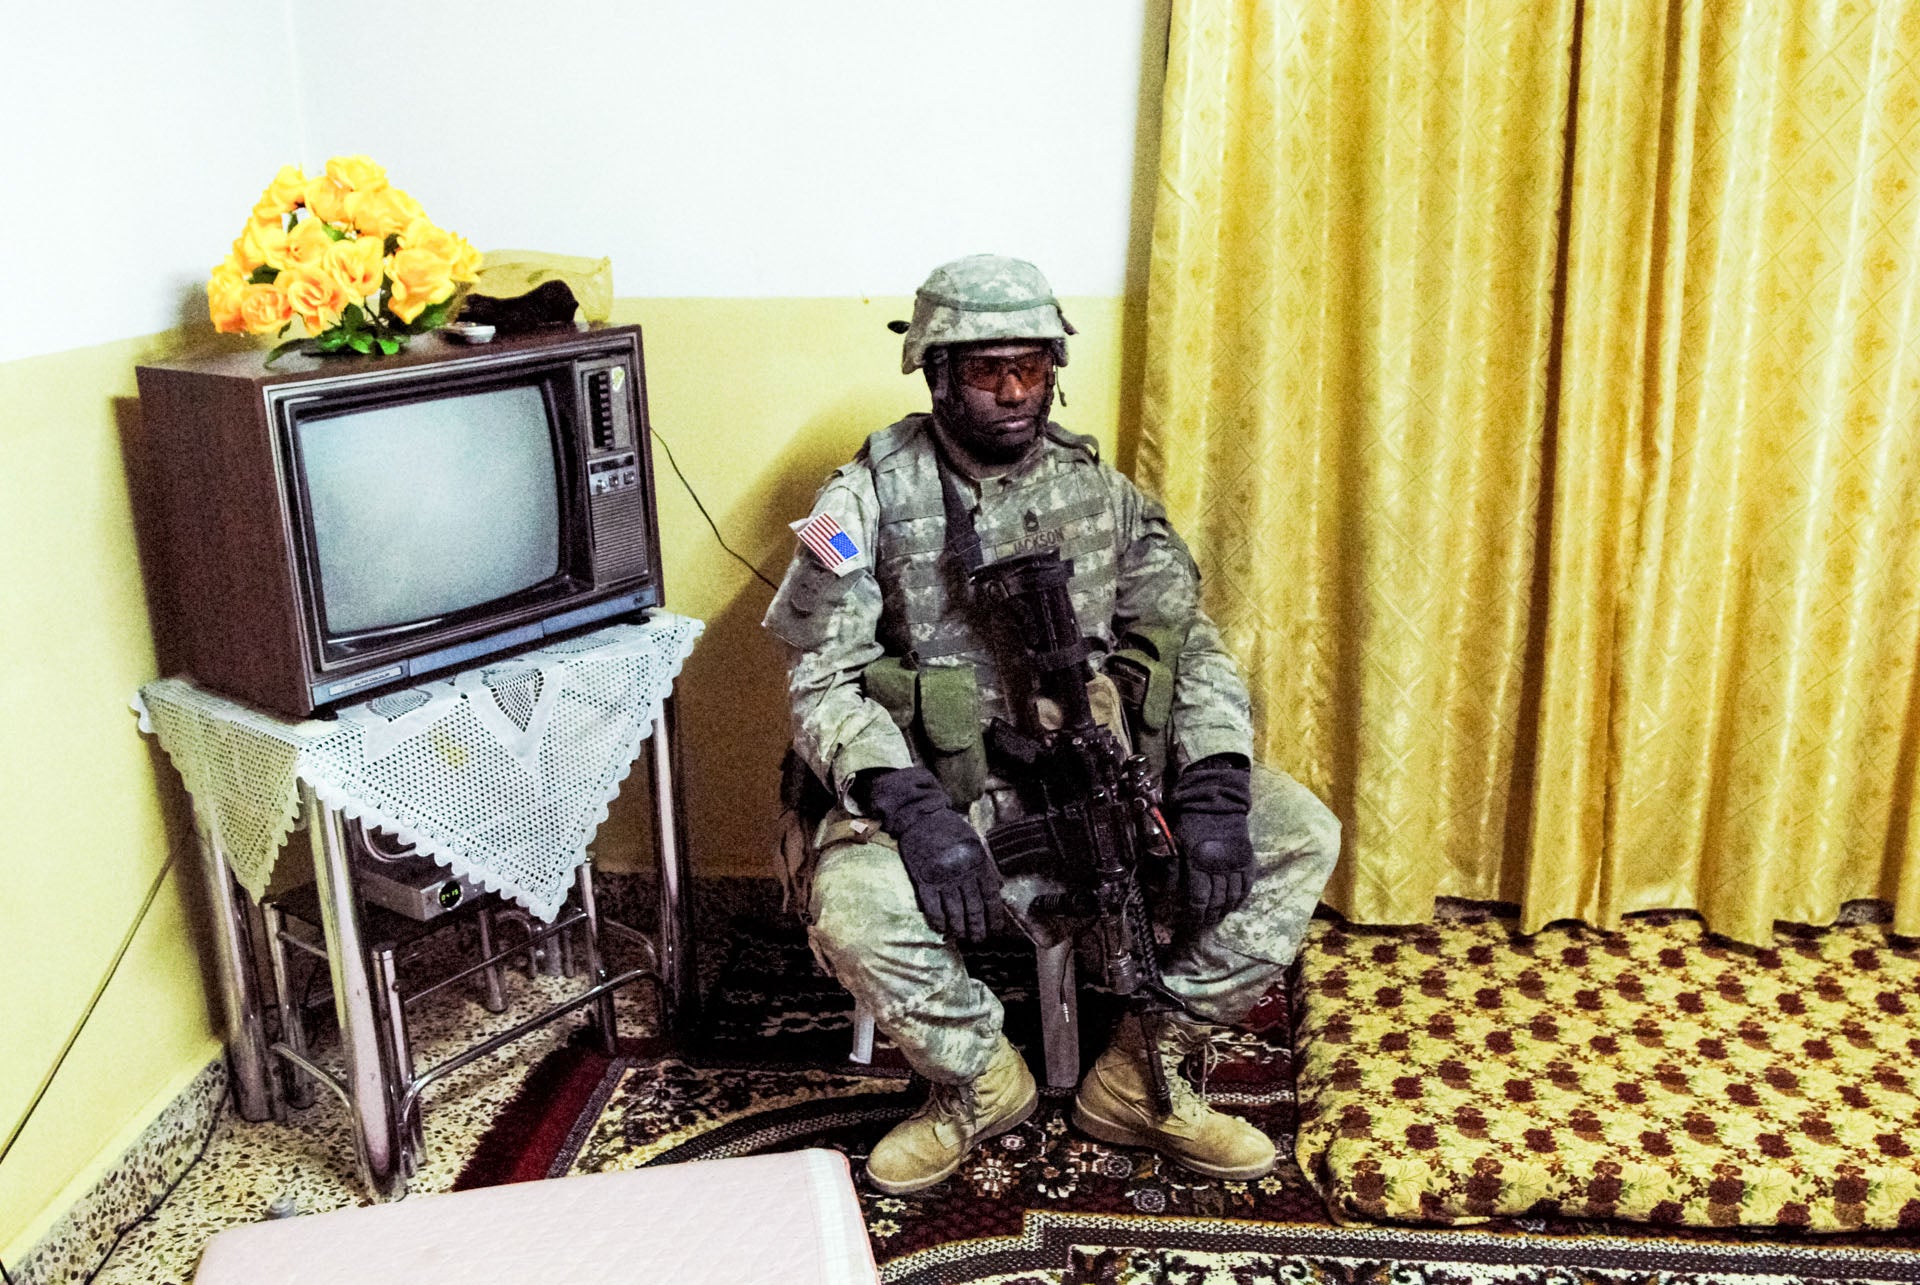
(1456, 1071)
(501, 773)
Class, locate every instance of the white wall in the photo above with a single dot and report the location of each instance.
(129, 158)
(756, 148)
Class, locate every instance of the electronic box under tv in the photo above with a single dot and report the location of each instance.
(395, 876)
(334, 526)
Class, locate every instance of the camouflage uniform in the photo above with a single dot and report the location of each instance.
(900, 599)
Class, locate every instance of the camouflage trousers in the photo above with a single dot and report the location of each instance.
(867, 929)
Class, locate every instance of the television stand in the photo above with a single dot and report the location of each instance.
(501, 773)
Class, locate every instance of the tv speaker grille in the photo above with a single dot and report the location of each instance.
(620, 534)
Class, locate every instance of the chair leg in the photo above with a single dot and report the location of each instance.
(862, 1051)
(1059, 1013)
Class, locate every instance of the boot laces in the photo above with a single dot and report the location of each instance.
(958, 1104)
(1185, 1039)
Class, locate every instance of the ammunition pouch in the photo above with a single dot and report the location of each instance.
(939, 706)
(1144, 668)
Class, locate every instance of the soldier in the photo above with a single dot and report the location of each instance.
(892, 680)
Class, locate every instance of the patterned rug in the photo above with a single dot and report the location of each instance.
(1042, 1205)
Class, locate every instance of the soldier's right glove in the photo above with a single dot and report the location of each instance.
(954, 879)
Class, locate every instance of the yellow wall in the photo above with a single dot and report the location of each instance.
(83, 827)
(760, 399)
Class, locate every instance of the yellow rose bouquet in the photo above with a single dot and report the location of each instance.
(355, 260)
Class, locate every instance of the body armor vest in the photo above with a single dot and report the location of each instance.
(1062, 502)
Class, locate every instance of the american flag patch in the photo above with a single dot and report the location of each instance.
(834, 547)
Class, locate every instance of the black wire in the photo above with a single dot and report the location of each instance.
(708, 516)
(5, 1275)
(154, 1208)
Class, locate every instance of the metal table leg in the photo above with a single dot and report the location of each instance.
(596, 961)
(679, 990)
(239, 988)
(367, 1081)
(393, 1010)
(295, 1085)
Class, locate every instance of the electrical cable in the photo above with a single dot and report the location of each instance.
(172, 1187)
(98, 991)
(6, 1275)
(708, 516)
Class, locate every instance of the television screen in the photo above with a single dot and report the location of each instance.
(430, 507)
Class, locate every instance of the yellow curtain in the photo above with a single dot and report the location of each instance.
(1595, 598)
(1729, 717)
(1350, 309)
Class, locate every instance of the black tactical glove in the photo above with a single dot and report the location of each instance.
(955, 880)
(1208, 806)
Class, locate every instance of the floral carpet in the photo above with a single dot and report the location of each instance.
(1042, 1205)
(1459, 1070)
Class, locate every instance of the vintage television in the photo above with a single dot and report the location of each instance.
(332, 526)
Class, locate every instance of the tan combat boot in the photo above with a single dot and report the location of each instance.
(1115, 1104)
(927, 1146)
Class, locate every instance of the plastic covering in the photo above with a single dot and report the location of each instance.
(508, 274)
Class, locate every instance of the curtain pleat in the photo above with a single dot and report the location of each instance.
(1744, 714)
(1349, 310)
(1585, 576)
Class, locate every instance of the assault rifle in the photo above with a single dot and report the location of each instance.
(1098, 821)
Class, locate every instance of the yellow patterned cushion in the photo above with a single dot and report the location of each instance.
(1456, 1071)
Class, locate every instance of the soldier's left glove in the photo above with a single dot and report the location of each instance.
(1208, 812)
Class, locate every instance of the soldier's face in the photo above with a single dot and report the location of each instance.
(1002, 388)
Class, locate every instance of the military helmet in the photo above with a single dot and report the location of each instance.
(981, 298)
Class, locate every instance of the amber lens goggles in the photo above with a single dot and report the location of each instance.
(988, 373)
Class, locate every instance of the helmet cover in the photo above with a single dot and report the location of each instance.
(980, 299)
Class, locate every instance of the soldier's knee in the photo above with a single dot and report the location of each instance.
(1291, 827)
(1323, 835)
(861, 900)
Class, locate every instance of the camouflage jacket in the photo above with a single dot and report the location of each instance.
(898, 596)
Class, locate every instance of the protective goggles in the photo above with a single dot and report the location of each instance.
(988, 374)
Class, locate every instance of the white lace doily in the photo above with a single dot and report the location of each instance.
(501, 773)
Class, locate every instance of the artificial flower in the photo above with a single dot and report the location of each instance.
(315, 296)
(381, 212)
(261, 245)
(357, 264)
(225, 288)
(283, 195)
(307, 245)
(424, 234)
(264, 308)
(356, 173)
(417, 279)
(326, 200)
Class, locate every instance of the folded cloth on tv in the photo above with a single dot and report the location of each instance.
(1456, 1071)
